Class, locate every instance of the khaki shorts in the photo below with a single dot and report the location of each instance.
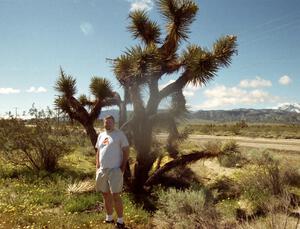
(109, 180)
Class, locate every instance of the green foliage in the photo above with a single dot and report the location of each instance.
(143, 28)
(179, 15)
(100, 88)
(66, 84)
(267, 130)
(260, 183)
(28, 199)
(38, 145)
(82, 202)
(231, 156)
(238, 127)
(185, 209)
(224, 188)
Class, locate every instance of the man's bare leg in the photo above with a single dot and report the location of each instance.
(118, 206)
(108, 202)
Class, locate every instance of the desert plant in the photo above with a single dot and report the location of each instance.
(224, 188)
(142, 66)
(37, 146)
(214, 146)
(185, 209)
(231, 155)
(261, 183)
(83, 109)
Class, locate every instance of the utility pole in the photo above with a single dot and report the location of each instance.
(16, 111)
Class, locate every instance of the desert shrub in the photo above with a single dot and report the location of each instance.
(213, 146)
(238, 127)
(271, 176)
(272, 221)
(261, 183)
(291, 175)
(224, 188)
(231, 155)
(185, 209)
(37, 146)
(208, 129)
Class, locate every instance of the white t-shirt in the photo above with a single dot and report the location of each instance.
(109, 145)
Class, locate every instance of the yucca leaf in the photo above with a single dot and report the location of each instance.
(101, 88)
(141, 27)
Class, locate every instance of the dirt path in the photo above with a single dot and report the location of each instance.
(262, 143)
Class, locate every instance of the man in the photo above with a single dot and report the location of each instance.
(111, 158)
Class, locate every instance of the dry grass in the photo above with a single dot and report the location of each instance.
(81, 187)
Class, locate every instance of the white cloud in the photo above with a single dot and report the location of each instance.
(87, 28)
(285, 80)
(36, 90)
(221, 96)
(190, 90)
(9, 90)
(140, 5)
(256, 83)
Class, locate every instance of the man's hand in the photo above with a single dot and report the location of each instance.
(97, 160)
(122, 169)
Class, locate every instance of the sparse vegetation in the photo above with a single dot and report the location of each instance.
(37, 146)
(186, 209)
(267, 130)
(240, 198)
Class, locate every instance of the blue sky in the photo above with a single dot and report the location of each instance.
(39, 36)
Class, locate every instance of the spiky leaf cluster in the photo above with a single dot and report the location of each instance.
(224, 49)
(137, 65)
(101, 88)
(141, 27)
(66, 84)
(179, 15)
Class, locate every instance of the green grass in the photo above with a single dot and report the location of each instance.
(37, 200)
(40, 200)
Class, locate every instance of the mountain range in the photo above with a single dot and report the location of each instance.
(286, 113)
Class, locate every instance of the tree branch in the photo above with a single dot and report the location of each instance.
(179, 84)
(181, 161)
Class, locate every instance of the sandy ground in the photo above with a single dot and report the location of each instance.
(262, 143)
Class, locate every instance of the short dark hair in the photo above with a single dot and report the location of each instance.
(110, 117)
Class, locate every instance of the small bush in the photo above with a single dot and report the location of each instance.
(37, 145)
(185, 209)
(231, 155)
(224, 188)
(214, 147)
(261, 183)
(291, 175)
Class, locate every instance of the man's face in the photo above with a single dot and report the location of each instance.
(109, 124)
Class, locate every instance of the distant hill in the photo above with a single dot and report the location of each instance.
(292, 107)
(287, 113)
(249, 115)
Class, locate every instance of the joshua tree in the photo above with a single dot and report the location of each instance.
(141, 67)
(82, 109)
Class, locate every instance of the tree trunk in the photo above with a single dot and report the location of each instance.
(142, 140)
(122, 114)
(91, 132)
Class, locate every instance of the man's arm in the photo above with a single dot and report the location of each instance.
(97, 159)
(125, 151)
